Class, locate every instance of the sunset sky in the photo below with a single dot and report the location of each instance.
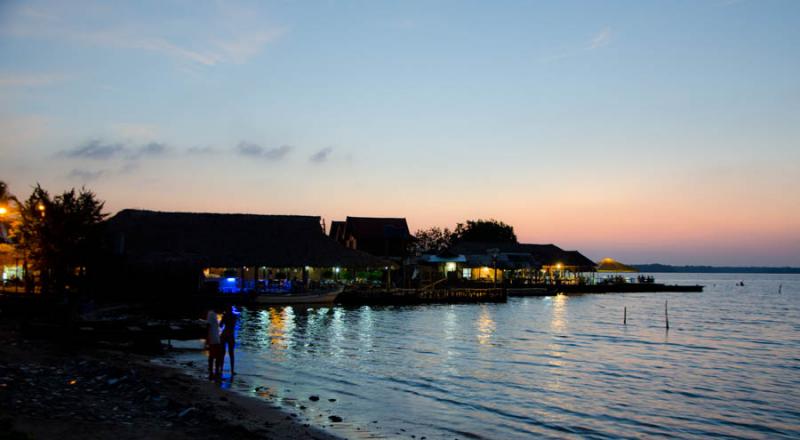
(645, 131)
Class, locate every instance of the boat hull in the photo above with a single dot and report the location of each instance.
(325, 297)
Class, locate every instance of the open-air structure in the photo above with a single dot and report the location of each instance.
(175, 251)
(610, 265)
(505, 262)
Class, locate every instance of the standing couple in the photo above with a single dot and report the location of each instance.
(221, 333)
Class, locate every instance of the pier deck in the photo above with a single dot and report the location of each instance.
(603, 288)
(421, 296)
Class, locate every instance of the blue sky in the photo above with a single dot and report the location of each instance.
(646, 131)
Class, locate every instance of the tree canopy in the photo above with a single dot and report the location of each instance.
(434, 239)
(484, 230)
(59, 235)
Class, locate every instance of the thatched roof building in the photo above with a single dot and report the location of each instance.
(380, 236)
(612, 265)
(229, 240)
(338, 228)
(522, 255)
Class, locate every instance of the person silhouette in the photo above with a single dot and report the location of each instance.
(214, 346)
(228, 337)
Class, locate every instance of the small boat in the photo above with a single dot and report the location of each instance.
(327, 296)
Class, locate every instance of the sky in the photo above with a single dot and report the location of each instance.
(641, 130)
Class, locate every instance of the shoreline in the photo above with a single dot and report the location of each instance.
(309, 410)
(50, 391)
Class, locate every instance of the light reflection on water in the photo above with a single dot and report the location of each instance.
(486, 326)
(561, 366)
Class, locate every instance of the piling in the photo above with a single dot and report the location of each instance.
(625, 316)
(666, 314)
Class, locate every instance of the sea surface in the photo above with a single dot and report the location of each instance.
(548, 367)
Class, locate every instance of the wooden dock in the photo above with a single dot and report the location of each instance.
(421, 296)
(602, 288)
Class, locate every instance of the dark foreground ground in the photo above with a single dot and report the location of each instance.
(49, 391)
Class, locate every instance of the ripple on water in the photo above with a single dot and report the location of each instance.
(546, 367)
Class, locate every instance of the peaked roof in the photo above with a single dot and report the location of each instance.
(542, 254)
(367, 228)
(230, 240)
(612, 265)
(337, 230)
(575, 258)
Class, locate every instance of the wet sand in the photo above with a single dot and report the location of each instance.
(48, 391)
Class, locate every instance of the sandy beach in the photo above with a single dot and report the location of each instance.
(48, 391)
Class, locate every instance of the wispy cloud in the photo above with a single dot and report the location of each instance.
(321, 155)
(601, 39)
(213, 36)
(201, 150)
(254, 150)
(237, 49)
(96, 149)
(241, 48)
(150, 149)
(85, 175)
(29, 80)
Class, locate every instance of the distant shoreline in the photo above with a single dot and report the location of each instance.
(666, 268)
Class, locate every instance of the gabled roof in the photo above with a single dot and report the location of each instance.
(575, 258)
(229, 240)
(337, 230)
(539, 254)
(377, 228)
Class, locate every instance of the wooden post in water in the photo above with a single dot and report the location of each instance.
(666, 314)
(625, 316)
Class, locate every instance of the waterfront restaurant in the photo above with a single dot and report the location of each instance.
(153, 251)
(431, 268)
(385, 237)
(522, 263)
(613, 272)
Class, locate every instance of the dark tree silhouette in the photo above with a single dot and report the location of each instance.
(60, 236)
(434, 239)
(484, 230)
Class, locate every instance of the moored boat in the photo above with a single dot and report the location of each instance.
(327, 296)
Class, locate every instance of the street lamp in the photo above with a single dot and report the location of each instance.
(494, 252)
(3, 232)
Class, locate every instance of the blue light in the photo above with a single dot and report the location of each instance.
(230, 280)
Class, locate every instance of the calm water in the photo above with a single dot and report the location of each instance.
(547, 367)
